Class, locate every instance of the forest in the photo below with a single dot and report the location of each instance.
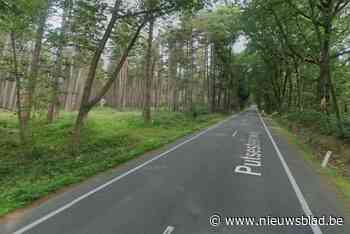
(86, 85)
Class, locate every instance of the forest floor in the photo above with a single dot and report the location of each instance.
(110, 138)
(313, 146)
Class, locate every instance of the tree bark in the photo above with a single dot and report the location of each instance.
(323, 92)
(29, 91)
(299, 87)
(212, 88)
(84, 107)
(54, 104)
(336, 106)
(22, 128)
(149, 75)
(88, 105)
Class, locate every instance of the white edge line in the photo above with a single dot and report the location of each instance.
(235, 133)
(169, 230)
(315, 228)
(70, 204)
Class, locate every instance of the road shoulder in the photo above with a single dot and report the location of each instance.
(318, 186)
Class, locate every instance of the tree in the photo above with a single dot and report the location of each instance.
(18, 18)
(148, 75)
(150, 5)
(222, 29)
(60, 41)
(143, 16)
(29, 91)
(300, 34)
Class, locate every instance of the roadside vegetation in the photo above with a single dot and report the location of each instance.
(313, 145)
(111, 138)
(299, 55)
(320, 124)
(320, 134)
(299, 58)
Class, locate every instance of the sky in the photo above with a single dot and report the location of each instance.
(240, 45)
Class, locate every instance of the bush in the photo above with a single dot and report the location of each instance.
(320, 122)
(202, 110)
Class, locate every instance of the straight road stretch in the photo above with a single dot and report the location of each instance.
(236, 177)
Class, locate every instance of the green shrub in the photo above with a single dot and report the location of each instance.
(320, 122)
(108, 139)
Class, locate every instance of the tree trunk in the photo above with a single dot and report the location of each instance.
(298, 86)
(84, 108)
(212, 80)
(173, 75)
(149, 75)
(22, 126)
(336, 106)
(190, 53)
(324, 63)
(54, 105)
(88, 105)
(206, 72)
(29, 91)
(323, 89)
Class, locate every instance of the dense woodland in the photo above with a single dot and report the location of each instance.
(76, 55)
(299, 52)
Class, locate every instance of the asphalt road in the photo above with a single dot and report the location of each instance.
(234, 169)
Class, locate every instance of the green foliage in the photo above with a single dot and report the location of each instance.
(296, 46)
(222, 24)
(18, 15)
(319, 122)
(110, 138)
(89, 22)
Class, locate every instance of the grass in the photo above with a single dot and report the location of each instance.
(334, 173)
(110, 138)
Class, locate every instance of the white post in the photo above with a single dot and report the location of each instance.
(326, 159)
(103, 102)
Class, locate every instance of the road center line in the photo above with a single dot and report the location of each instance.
(169, 230)
(107, 184)
(315, 228)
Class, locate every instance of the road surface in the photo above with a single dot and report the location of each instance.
(234, 169)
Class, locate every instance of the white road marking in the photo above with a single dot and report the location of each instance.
(169, 230)
(86, 195)
(252, 158)
(315, 228)
(235, 133)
